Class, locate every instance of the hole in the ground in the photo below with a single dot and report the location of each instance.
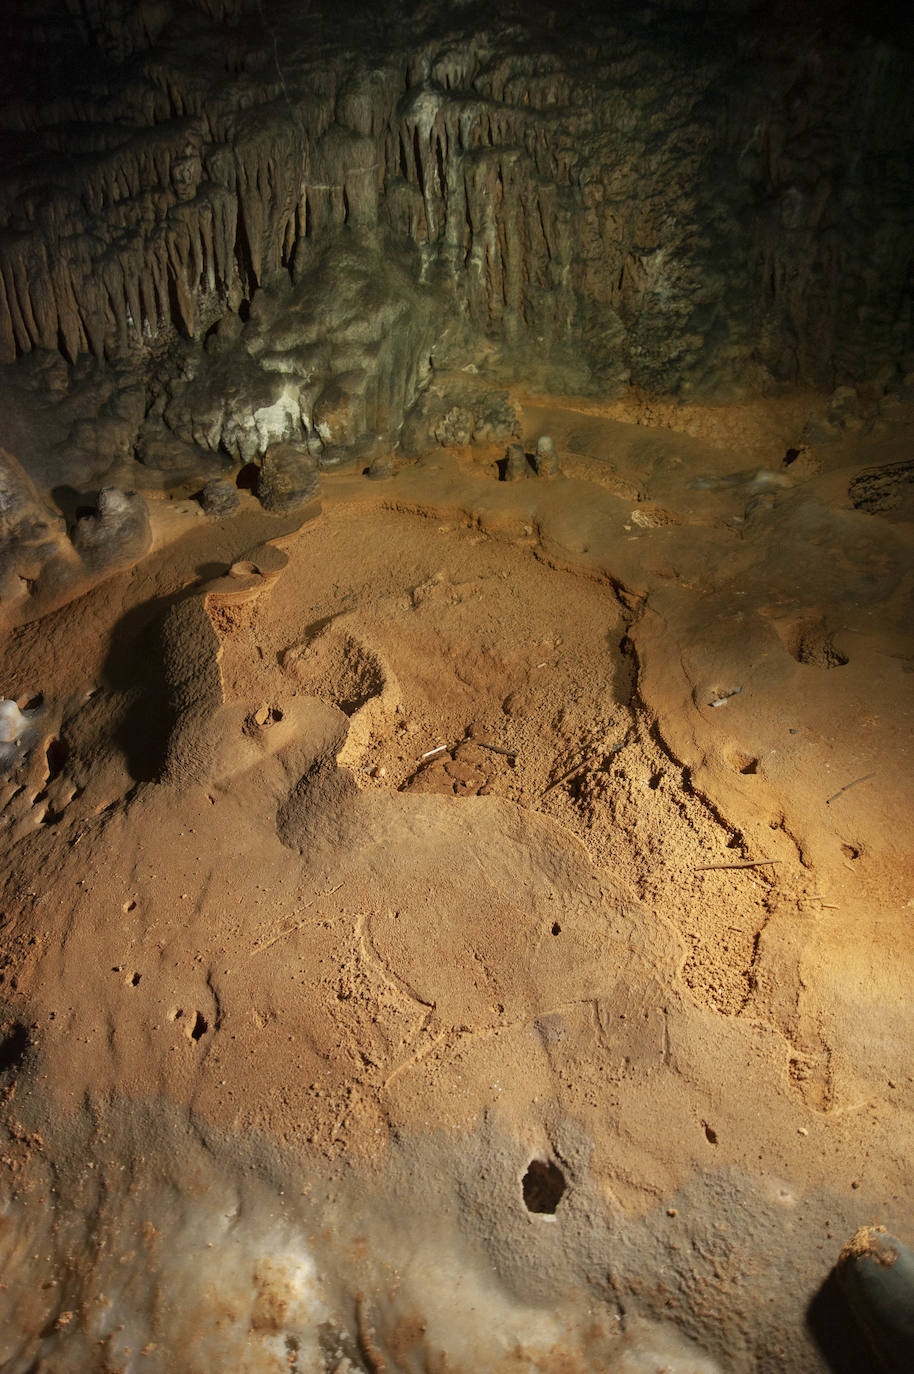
(543, 1186)
(13, 1046)
(58, 753)
(248, 477)
(129, 906)
(744, 763)
(791, 456)
(812, 642)
(200, 1026)
(264, 716)
(710, 1134)
(654, 781)
(135, 980)
(33, 704)
(556, 928)
(850, 851)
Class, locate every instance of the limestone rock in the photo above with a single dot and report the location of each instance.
(118, 532)
(324, 362)
(340, 413)
(456, 427)
(495, 420)
(459, 408)
(288, 478)
(21, 511)
(381, 468)
(31, 537)
(219, 497)
(876, 1274)
(547, 462)
(817, 432)
(159, 449)
(844, 409)
(516, 466)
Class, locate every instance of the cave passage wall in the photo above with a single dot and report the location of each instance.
(691, 200)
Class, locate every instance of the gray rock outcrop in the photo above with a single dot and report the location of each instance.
(118, 532)
(219, 497)
(288, 478)
(32, 538)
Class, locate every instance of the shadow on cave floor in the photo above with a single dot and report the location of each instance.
(836, 1334)
(134, 669)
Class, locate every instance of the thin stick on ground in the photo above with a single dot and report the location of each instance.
(494, 748)
(564, 777)
(743, 863)
(847, 787)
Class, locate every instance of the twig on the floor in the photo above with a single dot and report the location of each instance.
(581, 763)
(431, 752)
(495, 748)
(846, 788)
(743, 863)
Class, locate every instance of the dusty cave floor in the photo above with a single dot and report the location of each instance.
(562, 820)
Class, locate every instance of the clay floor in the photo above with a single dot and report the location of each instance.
(470, 928)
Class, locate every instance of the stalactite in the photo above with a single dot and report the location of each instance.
(224, 178)
(7, 334)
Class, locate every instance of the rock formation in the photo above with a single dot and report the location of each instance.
(688, 204)
(118, 531)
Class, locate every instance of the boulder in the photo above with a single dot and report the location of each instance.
(117, 532)
(219, 497)
(288, 478)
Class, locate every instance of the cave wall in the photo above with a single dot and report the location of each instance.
(687, 200)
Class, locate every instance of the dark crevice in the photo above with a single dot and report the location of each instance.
(543, 1187)
(13, 1046)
